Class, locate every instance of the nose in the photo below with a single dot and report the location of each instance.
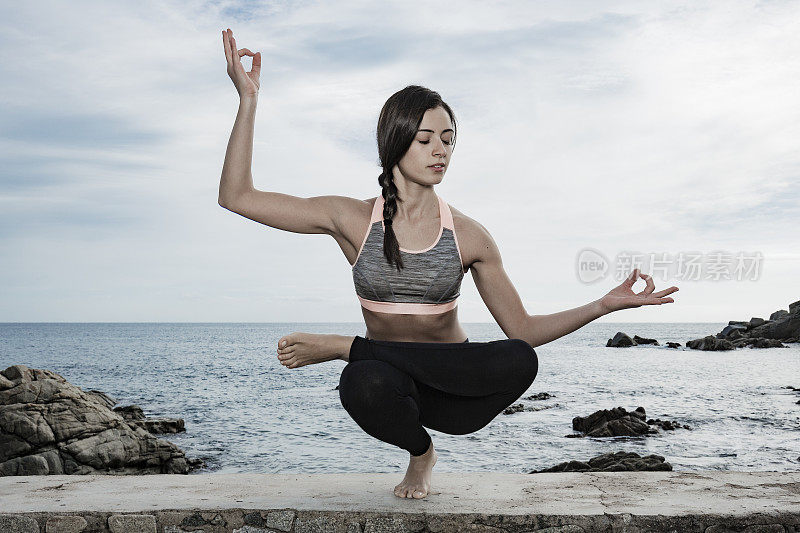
(439, 148)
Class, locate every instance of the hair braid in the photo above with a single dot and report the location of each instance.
(391, 248)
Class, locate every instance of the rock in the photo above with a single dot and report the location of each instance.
(668, 425)
(794, 308)
(673, 345)
(778, 314)
(518, 407)
(613, 423)
(642, 340)
(739, 323)
(766, 343)
(754, 322)
(134, 415)
(730, 330)
(540, 396)
(710, 343)
(782, 328)
(613, 462)
(50, 426)
(620, 340)
(511, 409)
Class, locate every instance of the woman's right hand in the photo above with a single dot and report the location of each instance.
(246, 83)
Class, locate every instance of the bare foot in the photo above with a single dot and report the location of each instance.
(301, 349)
(417, 482)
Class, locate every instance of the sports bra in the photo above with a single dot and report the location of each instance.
(429, 282)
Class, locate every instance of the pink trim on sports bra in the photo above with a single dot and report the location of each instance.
(407, 308)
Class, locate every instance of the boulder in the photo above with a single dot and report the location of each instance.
(673, 345)
(710, 343)
(612, 462)
(778, 314)
(620, 340)
(754, 322)
(730, 330)
(50, 426)
(766, 343)
(613, 423)
(643, 340)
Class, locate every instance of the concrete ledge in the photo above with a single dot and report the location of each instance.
(710, 502)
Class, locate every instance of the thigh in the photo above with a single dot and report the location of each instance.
(462, 368)
(369, 383)
(459, 415)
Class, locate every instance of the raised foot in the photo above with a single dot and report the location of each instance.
(300, 349)
(417, 482)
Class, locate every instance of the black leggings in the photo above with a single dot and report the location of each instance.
(392, 389)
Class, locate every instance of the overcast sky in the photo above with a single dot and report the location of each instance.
(623, 127)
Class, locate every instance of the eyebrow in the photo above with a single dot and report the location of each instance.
(443, 131)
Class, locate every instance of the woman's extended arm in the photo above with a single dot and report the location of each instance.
(505, 304)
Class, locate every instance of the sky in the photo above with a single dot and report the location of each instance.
(588, 132)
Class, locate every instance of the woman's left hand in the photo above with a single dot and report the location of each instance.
(622, 297)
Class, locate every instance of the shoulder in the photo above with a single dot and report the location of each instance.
(475, 241)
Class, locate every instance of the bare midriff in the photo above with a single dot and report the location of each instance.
(442, 327)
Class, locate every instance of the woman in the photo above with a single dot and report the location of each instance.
(414, 368)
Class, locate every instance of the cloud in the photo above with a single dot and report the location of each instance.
(614, 125)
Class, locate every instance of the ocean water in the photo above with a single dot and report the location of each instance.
(245, 412)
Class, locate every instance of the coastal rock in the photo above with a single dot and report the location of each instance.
(673, 345)
(778, 314)
(134, 415)
(540, 396)
(50, 426)
(782, 325)
(613, 423)
(732, 331)
(761, 342)
(710, 343)
(519, 407)
(612, 462)
(668, 425)
(642, 340)
(620, 340)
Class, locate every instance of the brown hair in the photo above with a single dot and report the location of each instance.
(398, 123)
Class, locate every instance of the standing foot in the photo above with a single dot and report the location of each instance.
(417, 482)
(300, 349)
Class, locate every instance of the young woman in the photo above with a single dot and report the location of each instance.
(415, 367)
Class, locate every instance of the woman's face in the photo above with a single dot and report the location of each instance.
(432, 144)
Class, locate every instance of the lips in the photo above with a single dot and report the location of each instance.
(437, 165)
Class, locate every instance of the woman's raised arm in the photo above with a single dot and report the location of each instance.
(236, 191)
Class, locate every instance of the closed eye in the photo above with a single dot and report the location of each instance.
(445, 142)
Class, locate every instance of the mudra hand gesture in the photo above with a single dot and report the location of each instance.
(622, 297)
(246, 83)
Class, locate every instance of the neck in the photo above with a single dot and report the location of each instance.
(419, 202)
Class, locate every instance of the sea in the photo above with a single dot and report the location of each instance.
(245, 412)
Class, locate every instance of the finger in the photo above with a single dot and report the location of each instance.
(631, 279)
(227, 45)
(245, 52)
(659, 294)
(256, 69)
(658, 301)
(650, 285)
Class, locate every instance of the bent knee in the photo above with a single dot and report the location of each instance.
(529, 361)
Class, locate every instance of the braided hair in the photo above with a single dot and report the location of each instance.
(399, 120)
